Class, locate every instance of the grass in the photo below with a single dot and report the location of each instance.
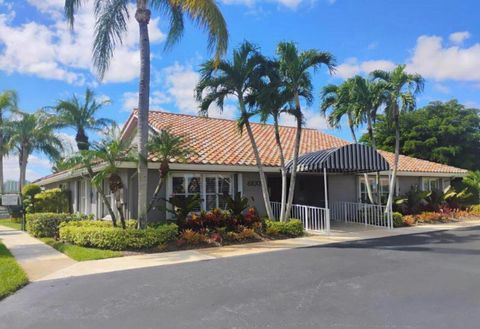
(12, 277)
(10, 223)
(79, 253)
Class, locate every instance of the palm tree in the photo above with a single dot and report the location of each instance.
(294, 70)
(109, 152)
(81, 116)
(166, 147)
(272, 100)
(33, 132)
(236, 78)
(351, 99)
(401, 88)
(473, 180)
(110, 27)
(8, 102)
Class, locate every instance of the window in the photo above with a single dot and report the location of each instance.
(210, 187)
(373, 186)
(431, 184)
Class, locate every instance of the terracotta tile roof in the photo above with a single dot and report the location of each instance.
(218, 141)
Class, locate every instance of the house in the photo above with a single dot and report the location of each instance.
(224, 163)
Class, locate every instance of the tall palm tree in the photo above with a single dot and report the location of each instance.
(81, 116)
(295, 71)
(402, 88)
(33, 132)
(110, 27)
(8, 102)
(235, 78)
(166, 147)
(272, 100)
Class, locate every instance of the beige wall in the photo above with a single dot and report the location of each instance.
(342, 188)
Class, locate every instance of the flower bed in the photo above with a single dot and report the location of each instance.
(444, 216)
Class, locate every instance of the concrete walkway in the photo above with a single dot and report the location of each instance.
(36, 258)
(42, 262)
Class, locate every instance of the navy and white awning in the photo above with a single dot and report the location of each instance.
(351, 158)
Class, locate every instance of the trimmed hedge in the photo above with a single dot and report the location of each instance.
(45, 225)
(291, 228)
(96, 234)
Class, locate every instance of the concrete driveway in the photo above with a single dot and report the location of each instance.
(427, 280)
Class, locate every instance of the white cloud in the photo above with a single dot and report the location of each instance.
(313, 119)
(441, 88)
(130, 100)
(36, 168)
(53, 51)
(353, 67)
(432, 60)
(459, 37)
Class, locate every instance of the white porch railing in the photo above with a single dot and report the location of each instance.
(362, 213)
(313, 218)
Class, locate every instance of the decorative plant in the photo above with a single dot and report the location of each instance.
(183, 206)
(237, 204)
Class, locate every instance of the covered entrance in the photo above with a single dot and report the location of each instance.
(315, 204)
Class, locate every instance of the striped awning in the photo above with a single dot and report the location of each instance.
(351, 158)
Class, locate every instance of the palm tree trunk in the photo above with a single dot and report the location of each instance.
(82, 140)
(283, 170)
(391, 191)
(293, 175)
(23, 160)
(373, 141)
(142, 16)
(263, 178)
(161, 181)
(365, 176)
(105, 200)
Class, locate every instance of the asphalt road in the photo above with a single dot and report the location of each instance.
(416, 281)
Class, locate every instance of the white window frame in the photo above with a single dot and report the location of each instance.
(202, 176)
(429, 180)
(372, 180)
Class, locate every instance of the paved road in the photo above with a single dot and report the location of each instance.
(427, 280)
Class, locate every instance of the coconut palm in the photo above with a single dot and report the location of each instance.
(81, 116)
(235, 78)
(295, 71)
(33, 132)
(473, 180)
(401, 88)
(166, 147)
(110, 27)
(8, 103)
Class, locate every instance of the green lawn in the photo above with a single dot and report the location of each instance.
(79, 253)
(12, 277)
(8, 222)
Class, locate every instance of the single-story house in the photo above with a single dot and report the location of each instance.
(224, 163)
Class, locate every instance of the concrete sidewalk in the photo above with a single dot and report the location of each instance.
(36, 258)
(177, 257)
(41, 262)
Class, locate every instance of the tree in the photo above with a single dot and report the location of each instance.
(359, 99)
(8, 102)
(294, 70)
(81, 116)
(444, 132)
(109, 152)
(401, 88)
(110, 27)
(33, 132)
(473, 181)
(272, 100)
(236, 78)
(166, 147)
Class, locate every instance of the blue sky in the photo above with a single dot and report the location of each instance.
(44, 61)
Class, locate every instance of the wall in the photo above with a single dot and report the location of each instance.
(253, 190)
(342, 187)
(405, 183)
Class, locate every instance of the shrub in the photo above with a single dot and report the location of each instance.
(217, 218)
(475, 209)
(53, 200)
(291, 228)
(29, 192)
(397, 219)
(113, 238)
(409, 220)
(42, 225)
(191, 237)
